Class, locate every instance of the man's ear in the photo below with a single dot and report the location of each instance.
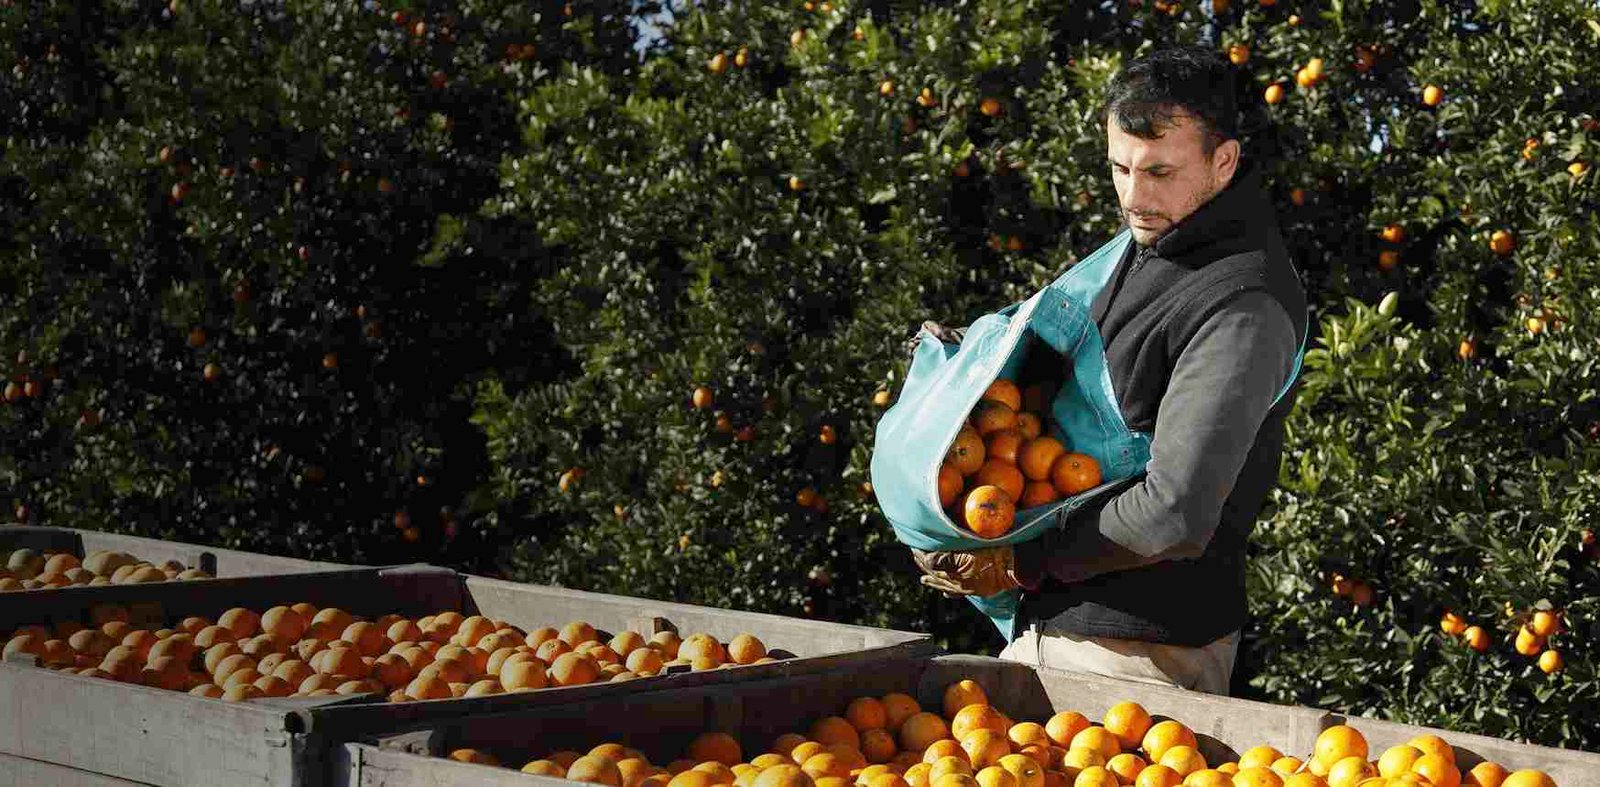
(1225, 161)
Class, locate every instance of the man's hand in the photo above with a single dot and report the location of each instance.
(943, 334)
(981, 572)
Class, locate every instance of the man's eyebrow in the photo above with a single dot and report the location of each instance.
(1147, 167)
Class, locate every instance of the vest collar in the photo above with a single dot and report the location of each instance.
(1231, 221)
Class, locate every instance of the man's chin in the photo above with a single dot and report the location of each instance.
(1147, 237)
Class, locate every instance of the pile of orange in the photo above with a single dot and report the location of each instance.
(890, 741)
(28, 569)
(1004, 460)
(303, 651)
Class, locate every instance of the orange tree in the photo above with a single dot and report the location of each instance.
(236, 306)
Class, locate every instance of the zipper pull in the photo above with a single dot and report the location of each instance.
(1138, 260)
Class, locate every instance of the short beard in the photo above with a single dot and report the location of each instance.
(1202, 197)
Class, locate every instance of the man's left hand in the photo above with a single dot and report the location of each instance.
(981, 572)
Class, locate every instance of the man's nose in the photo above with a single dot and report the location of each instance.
(1139, 193)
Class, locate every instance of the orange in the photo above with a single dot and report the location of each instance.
(1063, 726)
(917, 775)
(949, 764)
(1023, 768)
(1028, 733)
(989, 512)
(474, 756)
(990, 416)
(948, 747)
(746, 649)
(866, 713)
(1529, 643)
(829, 730)
(997, 473)
(805, 751)
(967, 453)
(1038, 493)
(920, 731)
(523, 675)
(1257, 776)
(1439, 770)
(1208, 777)
(573, 669)
(1260, 756)
(645, 661)
(1029, 425)
(985, 747)
(1485, 774)
(1097, 739)
(1129, 721)
(1005, 392)
(1095, 776)
(954, 780)
(782, 776)
(1528, 778)
(242, 622)
(1544, 623)
(1038, 456)
(951, 484)
(977, 717)
(785, 743)
(825, 764)
(1396, 760)
(715, 771)
(877, 744)
(1076, 760)
(1074, 473)
(596, 770)
(1158, 776)
(715, 747)
(283, 623)
(1229, 768)
(1304, 779)
(1004, 445)
(575, 632)
(897, 708)
(962, 693)
(995, 776)
(1339, 742)
(1476, 638)
(885, 780)
(1350, 771)
(545, 768)
(1126, 766)
(1183, 758)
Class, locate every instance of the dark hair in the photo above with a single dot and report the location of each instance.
(1150, 91)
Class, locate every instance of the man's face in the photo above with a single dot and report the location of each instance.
(1161, 181)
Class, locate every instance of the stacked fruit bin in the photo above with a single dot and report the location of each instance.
(111, 683)
(43, 558)
(946, 721)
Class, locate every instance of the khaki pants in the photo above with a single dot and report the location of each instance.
(1208, 668)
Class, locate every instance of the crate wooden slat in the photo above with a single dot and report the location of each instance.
(23, 772)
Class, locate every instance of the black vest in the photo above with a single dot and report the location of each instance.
(1154, 303)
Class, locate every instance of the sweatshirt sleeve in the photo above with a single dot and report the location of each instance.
(1222, 386)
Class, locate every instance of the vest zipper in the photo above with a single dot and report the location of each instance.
(1138, 260)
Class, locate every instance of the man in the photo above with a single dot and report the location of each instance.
(1149, 585)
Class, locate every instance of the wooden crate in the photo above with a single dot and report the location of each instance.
(164, 737)
(661, 724)
(215, 561)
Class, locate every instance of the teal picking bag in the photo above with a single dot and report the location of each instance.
(943, 384)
